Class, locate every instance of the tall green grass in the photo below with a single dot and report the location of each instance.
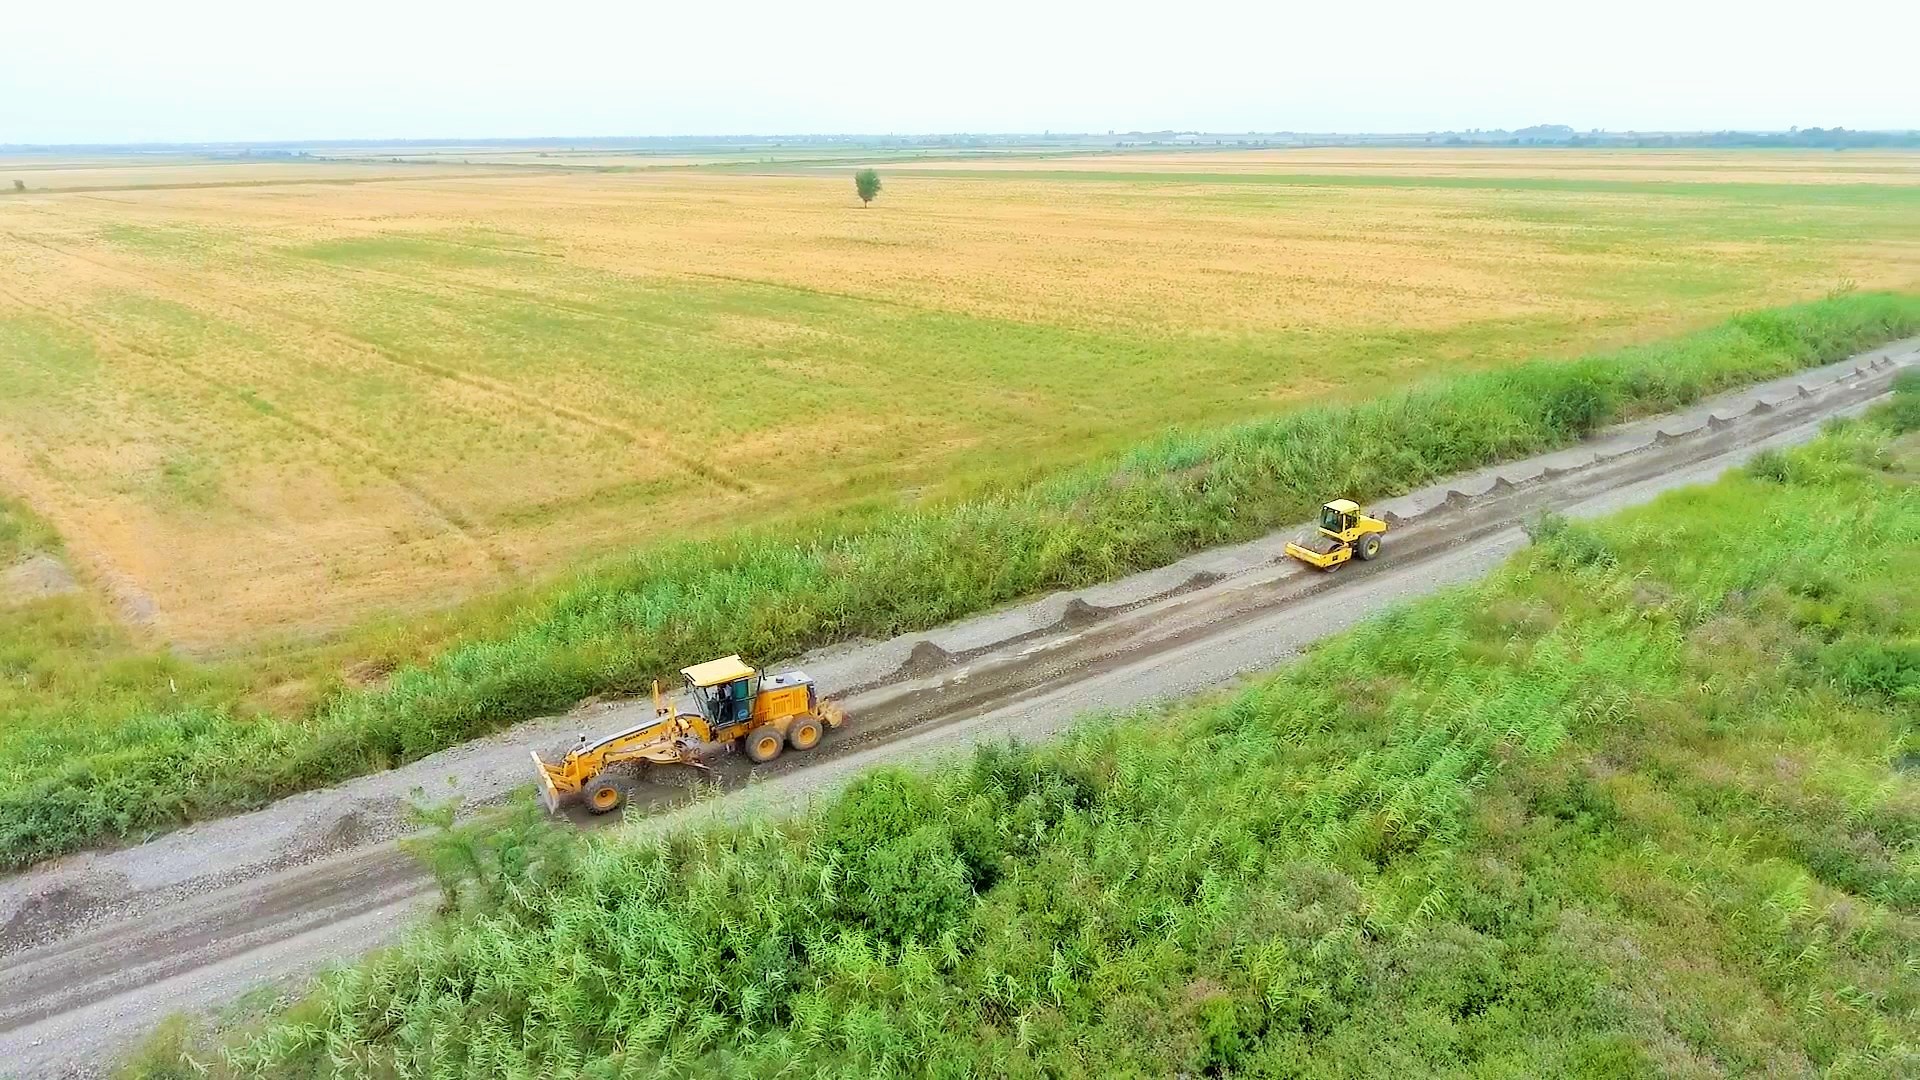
(772, 593)
(22, 534)
(1625, 809)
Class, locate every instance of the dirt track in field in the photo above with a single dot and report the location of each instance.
(96, 948)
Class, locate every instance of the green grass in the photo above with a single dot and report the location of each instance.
(1640, 804)
(76, 772)
(22, 533)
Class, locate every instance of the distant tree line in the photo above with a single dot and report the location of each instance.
(1534, 135)
(1813, 138)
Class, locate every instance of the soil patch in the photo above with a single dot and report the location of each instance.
(60, 905)
(35, 578)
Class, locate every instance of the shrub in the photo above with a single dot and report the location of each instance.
(495, 862)
(1904, 412)
(1570, 545)
(1890, 669)
(1577, 408)
(1546, 525)
(901, 876)
(1771, 465)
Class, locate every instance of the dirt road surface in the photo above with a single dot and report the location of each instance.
(96, 948)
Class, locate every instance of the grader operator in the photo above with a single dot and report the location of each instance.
(730, 703)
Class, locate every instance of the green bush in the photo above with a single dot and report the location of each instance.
(1570, 546)
(902, 877)
(1578, 408)
(1905, 409)
(1546, 525)
(1890, 669)
(1772, 466)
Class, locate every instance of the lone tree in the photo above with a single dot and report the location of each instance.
(19, 185)
(867, 183)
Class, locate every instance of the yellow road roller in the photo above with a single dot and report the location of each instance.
(1346, 532)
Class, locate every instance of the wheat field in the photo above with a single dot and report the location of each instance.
(260, 399)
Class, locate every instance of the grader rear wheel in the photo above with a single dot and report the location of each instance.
(763, 745)
(804, 734)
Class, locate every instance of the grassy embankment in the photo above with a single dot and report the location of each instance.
(1646, 802)
(92, 760)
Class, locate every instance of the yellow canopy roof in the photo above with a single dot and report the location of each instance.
(1344, 506)
(715, 672)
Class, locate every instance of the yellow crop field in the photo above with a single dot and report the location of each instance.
(272, 402)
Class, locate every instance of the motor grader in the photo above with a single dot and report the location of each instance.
(729, 703)
(1345, 533)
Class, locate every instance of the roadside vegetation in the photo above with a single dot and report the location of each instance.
(75, 771)
(1645, 802)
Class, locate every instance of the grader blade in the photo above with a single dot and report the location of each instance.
(549, 794)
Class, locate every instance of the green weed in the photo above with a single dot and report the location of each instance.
(23, 533)
(1904, 410)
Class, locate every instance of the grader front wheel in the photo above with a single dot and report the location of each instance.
(603, 794)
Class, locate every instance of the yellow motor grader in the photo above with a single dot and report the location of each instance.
(1345, 533)
(731, 703)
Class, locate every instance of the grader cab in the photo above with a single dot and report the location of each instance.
(731, 703)
(766, 712)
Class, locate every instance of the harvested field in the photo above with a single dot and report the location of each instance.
(281, 406)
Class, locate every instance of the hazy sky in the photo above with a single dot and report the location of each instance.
(93, 71)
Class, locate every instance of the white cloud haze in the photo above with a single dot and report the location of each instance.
(215, 70)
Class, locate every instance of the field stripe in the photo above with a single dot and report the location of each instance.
(811, 290)
(450, 517)
(492, 387)
(707, 471)
(81, 536)
(1811, 194)
(971, 386)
